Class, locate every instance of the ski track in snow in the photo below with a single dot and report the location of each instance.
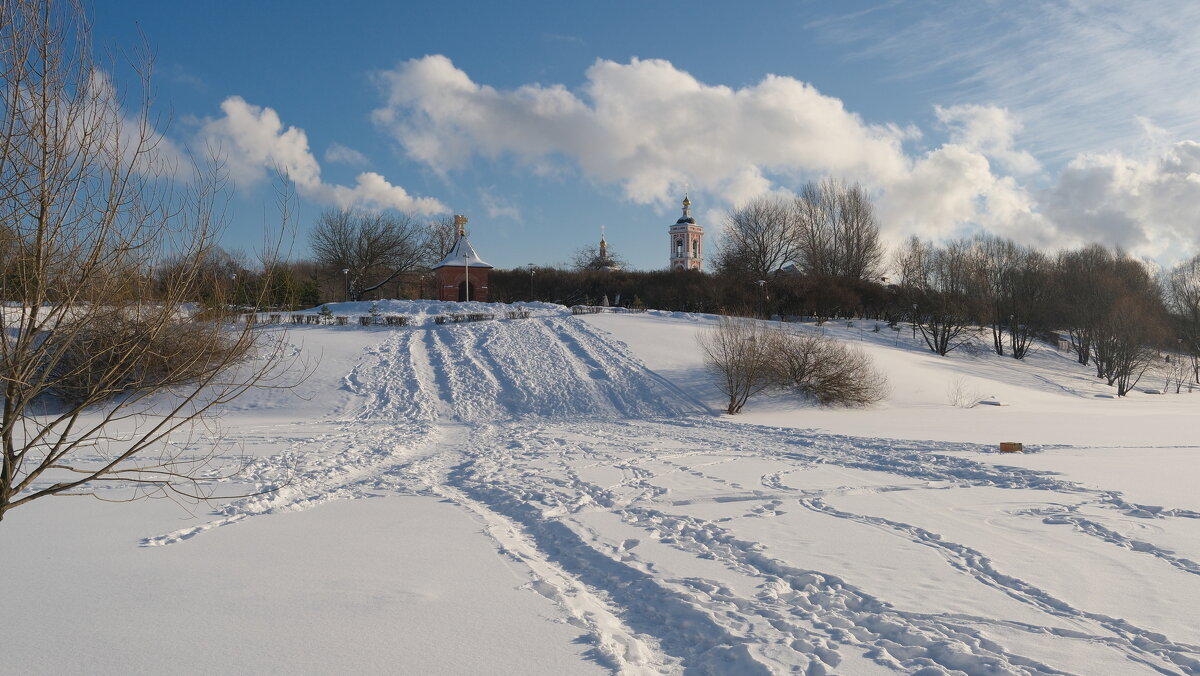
(515, 420)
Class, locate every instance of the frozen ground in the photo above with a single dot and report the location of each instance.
(559, 495)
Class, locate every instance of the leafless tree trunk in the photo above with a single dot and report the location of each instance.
(1012, 288)
(1137, 329)
(1130, 303)
(837, 233)
(759, 238)
(440, 235)
(1083, 302)
(996, 261)
(373, 248)
(1183, 300)
(103, 376)
(1030, 291)
(738, 352)
(937, 283)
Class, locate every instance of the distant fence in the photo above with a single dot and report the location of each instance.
(596, 309)
(457, 318)
(320, 319)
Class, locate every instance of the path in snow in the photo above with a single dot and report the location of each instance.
(677, 540)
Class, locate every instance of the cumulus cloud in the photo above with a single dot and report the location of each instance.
(252, 141)
(646, 125)
(1145, 204)
(652, 129)
(988, 130)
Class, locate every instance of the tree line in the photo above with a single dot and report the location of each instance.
(815, 254)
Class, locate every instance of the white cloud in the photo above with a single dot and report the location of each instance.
(341, 154)
(652, 129)
(104, 126)
(988, 130)
(1146, 204)
(252, 140)
(645, 125)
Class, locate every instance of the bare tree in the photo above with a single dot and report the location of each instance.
(103, 376)
(995, 261)
(1012, 284)
(440, 236)
(372, 248)
(837, 232)
(1082, 299)
(738, 352)
(829, 230)
(1176, 373)
(1136, 330)
(759, 238)
(1029, 293)
(1130, 316)
(940, 286)
(591, 257)
(1183, 300)
(1112, 307)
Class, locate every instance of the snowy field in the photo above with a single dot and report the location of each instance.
(561, 495)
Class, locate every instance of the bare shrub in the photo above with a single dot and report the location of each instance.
(748, 357)
(115, 354)
(738, 352)
(1176, 372)
(105, 237)
(830, 372)
(961, 395)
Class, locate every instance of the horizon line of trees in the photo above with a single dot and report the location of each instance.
(817, 254)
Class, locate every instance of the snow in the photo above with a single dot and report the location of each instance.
(462, 254)
(560, 495)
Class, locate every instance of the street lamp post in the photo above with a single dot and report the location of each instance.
(914, 322)
(466, 275)
(346, 274)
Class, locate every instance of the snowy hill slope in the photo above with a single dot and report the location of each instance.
(546, 367)
(622, 510)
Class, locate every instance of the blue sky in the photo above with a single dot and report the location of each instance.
(1054, 123)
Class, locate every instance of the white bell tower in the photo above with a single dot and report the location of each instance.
(687, 241)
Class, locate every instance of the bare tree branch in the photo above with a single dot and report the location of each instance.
(103, 375)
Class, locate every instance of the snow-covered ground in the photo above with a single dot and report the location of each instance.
(560, 495)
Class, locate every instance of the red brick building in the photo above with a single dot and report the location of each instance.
(462, 275)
